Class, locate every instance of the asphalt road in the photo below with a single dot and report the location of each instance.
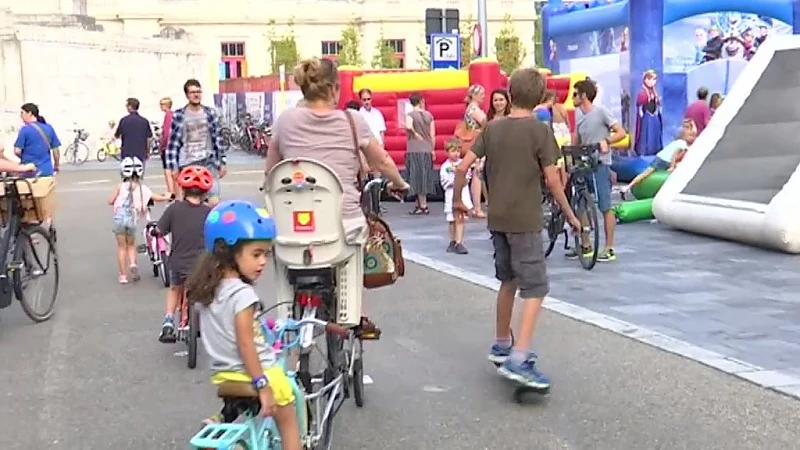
(95, 376)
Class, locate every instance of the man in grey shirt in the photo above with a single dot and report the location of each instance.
(595, 125)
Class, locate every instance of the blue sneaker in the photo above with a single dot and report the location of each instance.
(498, 354)
(524, 373)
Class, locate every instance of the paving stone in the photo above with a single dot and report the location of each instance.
(693, 288)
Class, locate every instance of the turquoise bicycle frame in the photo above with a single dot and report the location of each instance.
(255, 432)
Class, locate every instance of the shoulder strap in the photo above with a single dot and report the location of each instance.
(356, 148)
(42, 134)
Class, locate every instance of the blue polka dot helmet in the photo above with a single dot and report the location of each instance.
(237, 220)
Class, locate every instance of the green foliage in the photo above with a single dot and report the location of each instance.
(508, 47)
(350, 47)
(383, 57)
(283, 49)
(467, 30)
(424, 56)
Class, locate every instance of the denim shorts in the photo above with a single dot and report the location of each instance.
(659, 164)
(602, 175)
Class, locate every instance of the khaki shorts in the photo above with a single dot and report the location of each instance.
(520, 257)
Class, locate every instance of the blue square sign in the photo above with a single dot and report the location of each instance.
(445, 51)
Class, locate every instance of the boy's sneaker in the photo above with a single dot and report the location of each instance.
(572, 253)
(452, 247)
(499, 354)
(167, 335)
(525, 373)
(607, 255)
(460, 249)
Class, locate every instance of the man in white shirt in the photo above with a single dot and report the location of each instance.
(373, 117)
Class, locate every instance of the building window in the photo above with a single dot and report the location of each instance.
(233, 60)
(233, 49)
(331, 49)
(399, 47)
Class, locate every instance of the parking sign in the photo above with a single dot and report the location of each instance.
(445, 51)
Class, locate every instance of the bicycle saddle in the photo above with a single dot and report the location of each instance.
(236, 389)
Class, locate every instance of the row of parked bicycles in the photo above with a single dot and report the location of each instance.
(247, 135)
(77, 152)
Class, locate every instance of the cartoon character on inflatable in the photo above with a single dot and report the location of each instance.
(649, 123)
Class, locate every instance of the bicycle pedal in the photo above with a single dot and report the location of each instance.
(368, 336)
(141, 248)
(219, 435)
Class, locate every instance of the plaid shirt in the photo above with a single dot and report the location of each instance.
(175, 144)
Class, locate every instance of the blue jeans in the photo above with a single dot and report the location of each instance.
(602, 175)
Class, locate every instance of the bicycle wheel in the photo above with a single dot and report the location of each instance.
(81, 153)
(586, 211)
(69, 153)
(358, 381)
(191, 335)
(555, 223)
(101, 155)
(36, 264)
(163, 269)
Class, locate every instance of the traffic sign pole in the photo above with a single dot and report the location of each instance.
(482, 21)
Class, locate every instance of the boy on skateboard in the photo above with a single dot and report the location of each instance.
(519, 151)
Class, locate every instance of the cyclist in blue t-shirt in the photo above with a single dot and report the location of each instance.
(37, 141)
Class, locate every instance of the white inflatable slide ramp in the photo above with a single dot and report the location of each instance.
(739, 181)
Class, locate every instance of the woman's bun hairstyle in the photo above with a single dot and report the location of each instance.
(316, 78)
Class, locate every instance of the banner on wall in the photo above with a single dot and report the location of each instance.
(290, 99)
(229, 108)
(603, 55)
(254, 105)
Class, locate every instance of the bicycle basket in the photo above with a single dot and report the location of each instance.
(36, 199)
(83, 135)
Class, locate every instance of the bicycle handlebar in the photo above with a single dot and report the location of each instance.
(274, 331)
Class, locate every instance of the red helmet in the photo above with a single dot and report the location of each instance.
(197, 177)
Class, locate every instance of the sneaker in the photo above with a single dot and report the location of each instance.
(499, 354)
(524, 373)
(460, 249)
(607, 255)
(167, 335)
(452, 247)
(572, 253)
(135, 273)
(123, 279)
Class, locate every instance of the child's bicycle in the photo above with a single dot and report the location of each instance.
(315, 411)
(157, 248)
(109, 149)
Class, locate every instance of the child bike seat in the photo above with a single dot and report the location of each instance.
(304, 198)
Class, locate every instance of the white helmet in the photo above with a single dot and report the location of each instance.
(131, 166)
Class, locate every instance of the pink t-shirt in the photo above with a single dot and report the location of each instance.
(326, 137)
(700, 113)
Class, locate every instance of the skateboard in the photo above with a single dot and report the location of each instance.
(523, 392)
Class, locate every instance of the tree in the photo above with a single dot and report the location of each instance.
(467, 31)
(508, 47)
(283, 49)
(350, 47)
(424, 56)
(384, 57)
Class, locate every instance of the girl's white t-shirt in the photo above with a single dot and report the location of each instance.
(141, 196)
(447, 178)
(670, 149)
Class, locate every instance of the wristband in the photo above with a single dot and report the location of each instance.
(260, 383)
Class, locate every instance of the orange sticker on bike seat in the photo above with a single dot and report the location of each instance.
(298, 177)
(303, 221)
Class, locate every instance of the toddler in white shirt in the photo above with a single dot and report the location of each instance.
(447, 177)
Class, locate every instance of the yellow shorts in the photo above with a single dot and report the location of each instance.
(278, 382)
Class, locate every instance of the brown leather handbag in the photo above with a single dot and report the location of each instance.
(383, 252)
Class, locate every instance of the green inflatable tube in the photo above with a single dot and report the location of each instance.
(634, 211)
(650, 186)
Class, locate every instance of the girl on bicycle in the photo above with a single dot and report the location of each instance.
(238, 237)
(129, 200)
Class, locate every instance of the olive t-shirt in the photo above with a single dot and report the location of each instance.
(517, 149)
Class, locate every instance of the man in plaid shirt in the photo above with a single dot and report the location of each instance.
(195, 138)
